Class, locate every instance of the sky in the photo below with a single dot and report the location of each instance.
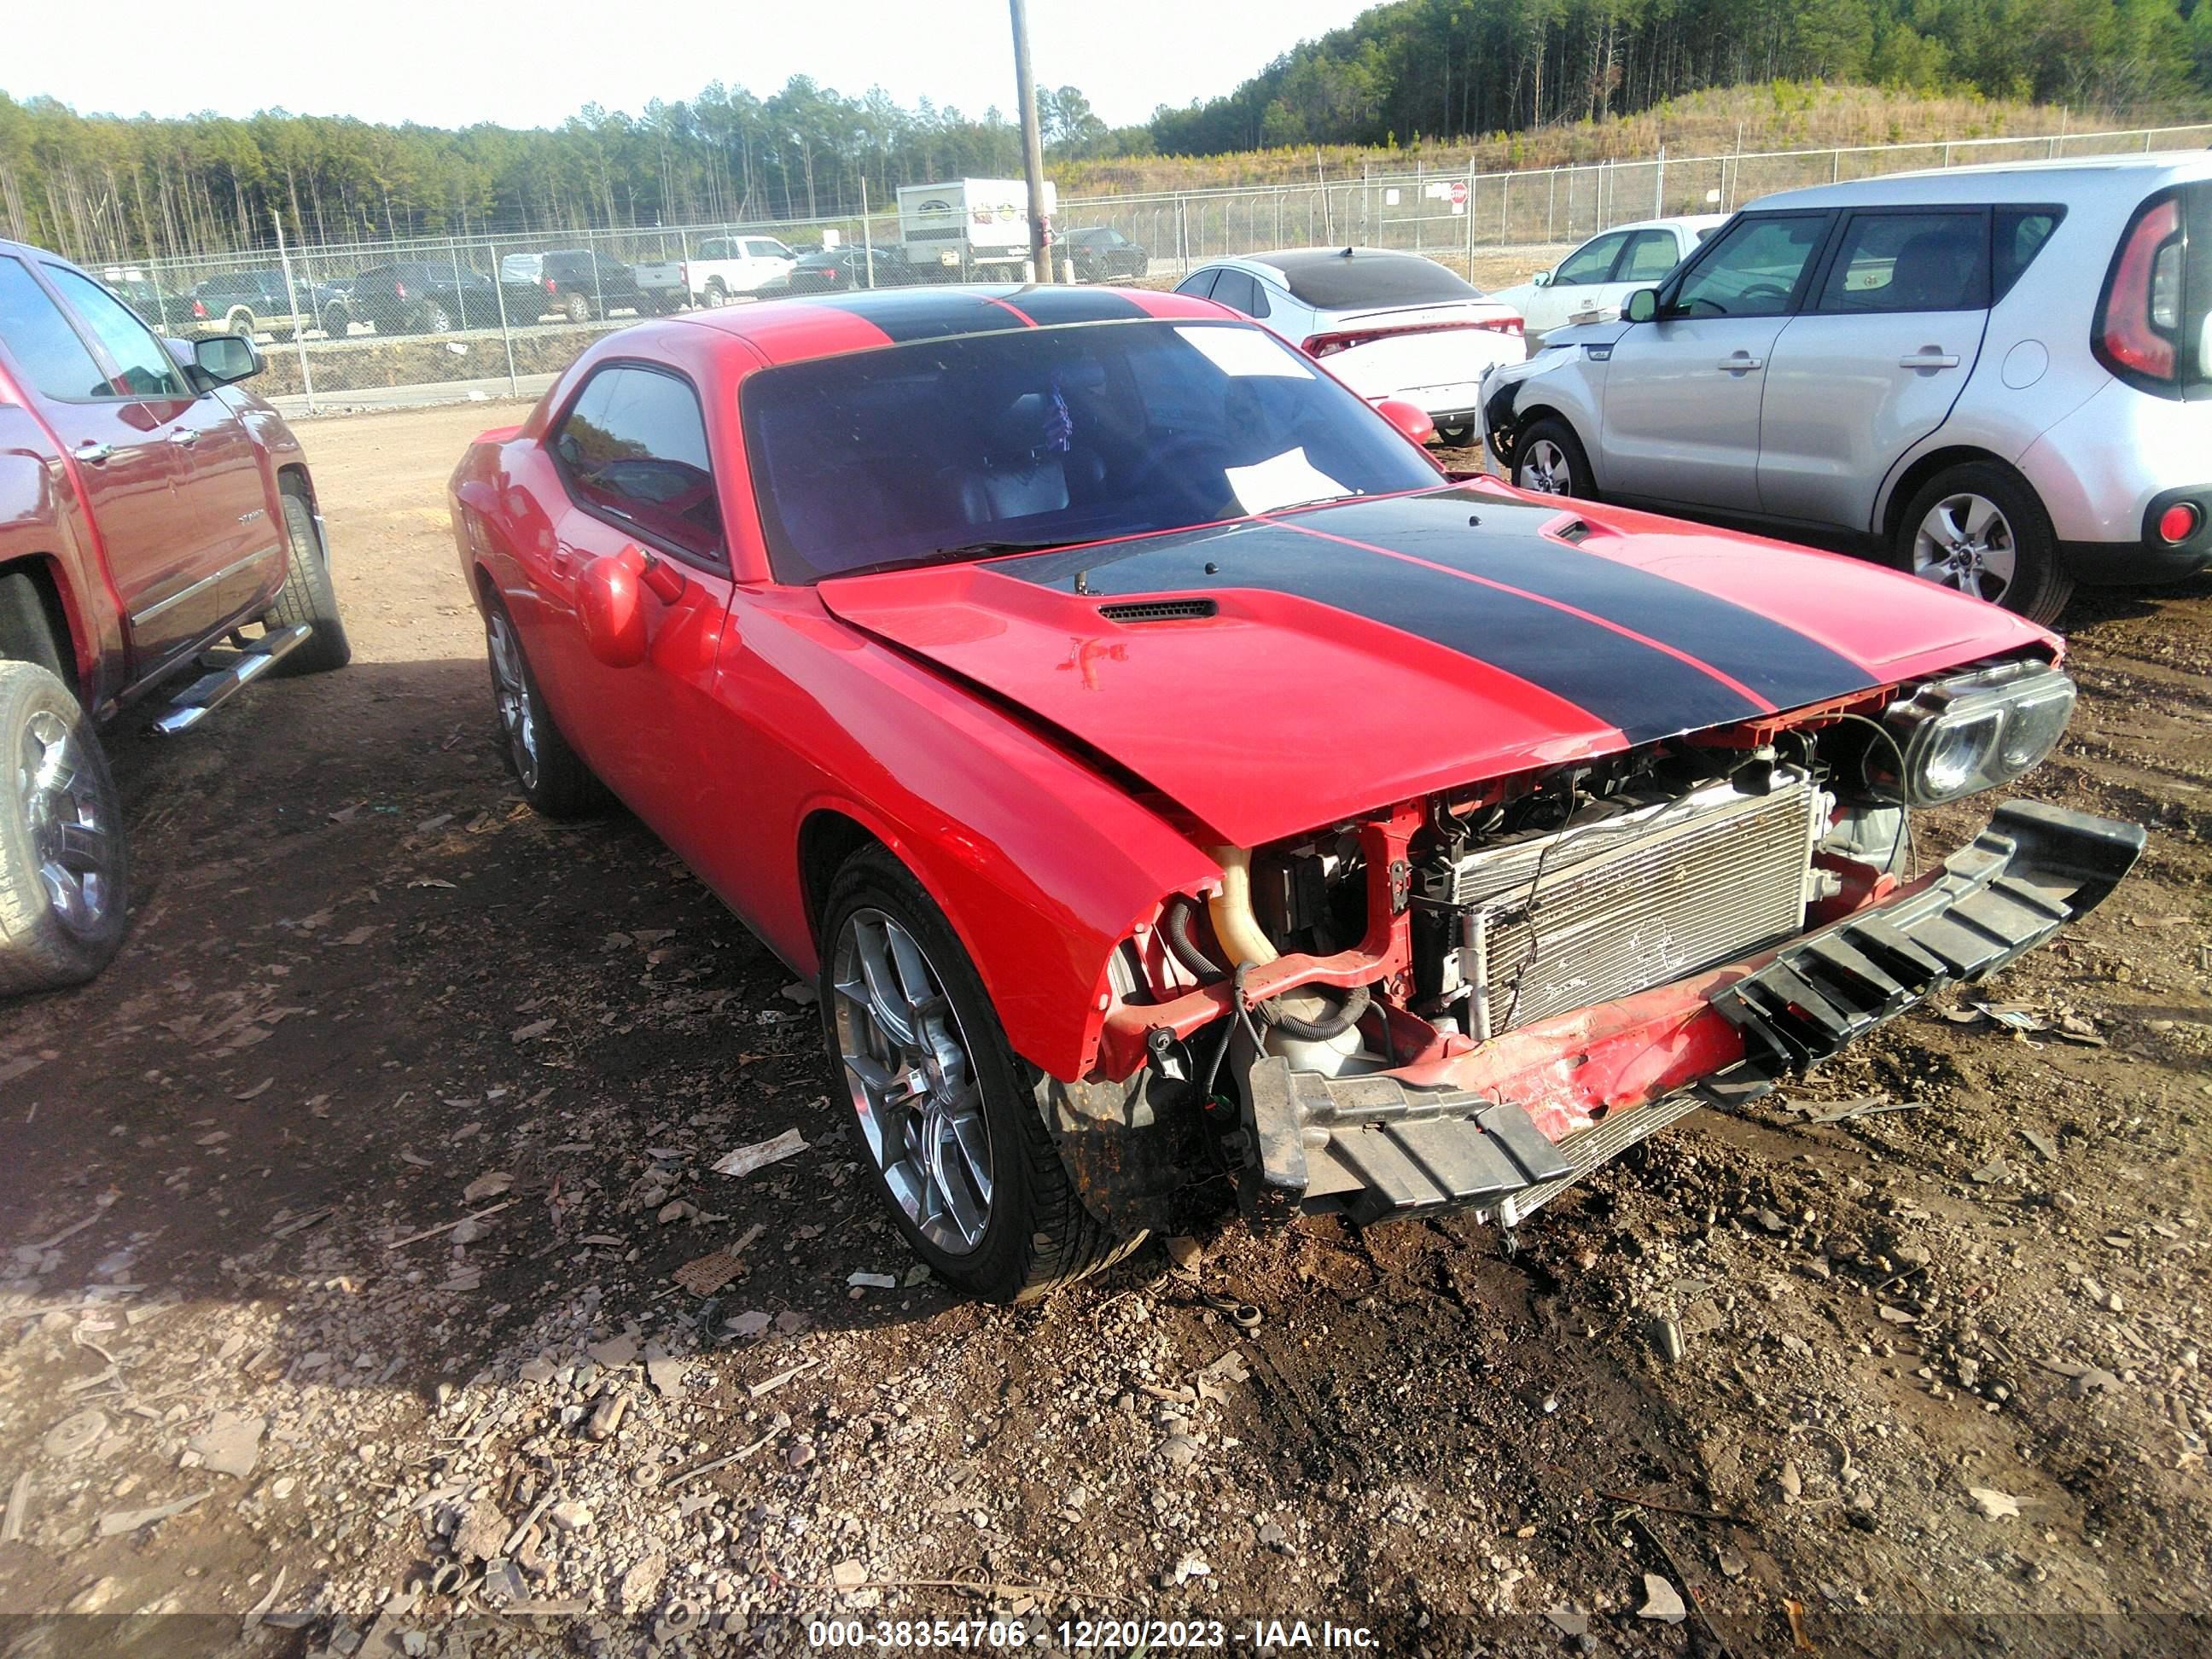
(456, 62)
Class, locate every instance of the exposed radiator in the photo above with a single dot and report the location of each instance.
(1597, 911)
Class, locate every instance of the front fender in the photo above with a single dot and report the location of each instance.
(1043, 864)
(1556, 378)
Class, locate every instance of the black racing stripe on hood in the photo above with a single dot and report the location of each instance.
(1644, 691)
(1053, 306)
(1771, 658)
(926, 313)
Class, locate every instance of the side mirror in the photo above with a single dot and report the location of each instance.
(225, 358)
(1412, 420)
(609, 606)
(1542, 279)
(611, 611)
(1641, 306)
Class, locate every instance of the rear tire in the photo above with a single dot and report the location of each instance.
(552, 776)
(65, 865)
(435, 319)
(1548, 460)
(885, 945)
(308, 596)
(577, 308)
(718, 295)
(1978, 529)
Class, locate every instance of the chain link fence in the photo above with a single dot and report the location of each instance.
(486, 316)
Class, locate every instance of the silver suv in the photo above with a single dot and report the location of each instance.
(1997, 378)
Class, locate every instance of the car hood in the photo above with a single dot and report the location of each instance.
(1598, 333)
(1280, 673)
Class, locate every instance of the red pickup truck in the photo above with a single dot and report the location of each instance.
(150, 513)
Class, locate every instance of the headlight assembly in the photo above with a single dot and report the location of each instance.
(1950, 737)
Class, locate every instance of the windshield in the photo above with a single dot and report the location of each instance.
(1043, 437)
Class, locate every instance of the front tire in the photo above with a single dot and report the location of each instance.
(1548, 460)
(64, 866)
(553, 777)
(308, 596)
(945, 1113)
(1978, 529)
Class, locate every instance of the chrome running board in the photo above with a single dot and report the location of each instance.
(209, 693)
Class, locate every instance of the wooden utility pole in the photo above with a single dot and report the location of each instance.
(1032, 144)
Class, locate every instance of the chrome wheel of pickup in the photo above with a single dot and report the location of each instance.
(511, 693)
(1966, 543)
(912, 1081)
(70, 836)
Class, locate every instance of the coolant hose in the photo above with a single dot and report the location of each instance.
(1184, 948)
(1241, 935)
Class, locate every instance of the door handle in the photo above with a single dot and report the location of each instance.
(185, 437)
(1928, 357)
(92, 452)
(1743, 364)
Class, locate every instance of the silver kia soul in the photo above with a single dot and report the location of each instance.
(1998, 378)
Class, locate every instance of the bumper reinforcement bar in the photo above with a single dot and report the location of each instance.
(1370, 1148)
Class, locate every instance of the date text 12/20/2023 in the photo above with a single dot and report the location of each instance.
(1090, 1635)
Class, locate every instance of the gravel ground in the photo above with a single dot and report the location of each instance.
(338, 1299)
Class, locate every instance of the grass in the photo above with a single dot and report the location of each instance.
(1784, 115)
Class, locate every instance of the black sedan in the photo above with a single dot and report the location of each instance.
(842, 269)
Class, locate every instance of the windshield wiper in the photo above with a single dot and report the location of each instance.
(945, 555)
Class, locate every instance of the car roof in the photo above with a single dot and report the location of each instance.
(828, 325)
(2062, 179)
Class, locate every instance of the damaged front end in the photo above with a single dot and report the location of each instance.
(1467, 1001)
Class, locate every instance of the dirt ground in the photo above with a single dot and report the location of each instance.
(340, 1215)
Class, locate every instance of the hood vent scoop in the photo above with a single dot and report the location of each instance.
(1158, 610)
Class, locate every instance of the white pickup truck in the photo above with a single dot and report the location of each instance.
(720, 269)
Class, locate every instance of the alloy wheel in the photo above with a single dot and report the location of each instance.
(1545, 469)
(518, 722)
(912, 1081)
(1966, 543)
(70, 836)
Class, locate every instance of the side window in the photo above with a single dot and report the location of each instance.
(634, 449)
(41, 341)
(1651, 255)
(1200, 284)
(1753, 271)
(1237, 290)
(2018, 236)
(145, 369)
(1909, 262)
(763, 250)
(1592, 262)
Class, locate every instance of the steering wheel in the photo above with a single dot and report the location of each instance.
(1765, 291)
(1173, 461)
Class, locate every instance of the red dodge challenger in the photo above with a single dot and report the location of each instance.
(1165, 771)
